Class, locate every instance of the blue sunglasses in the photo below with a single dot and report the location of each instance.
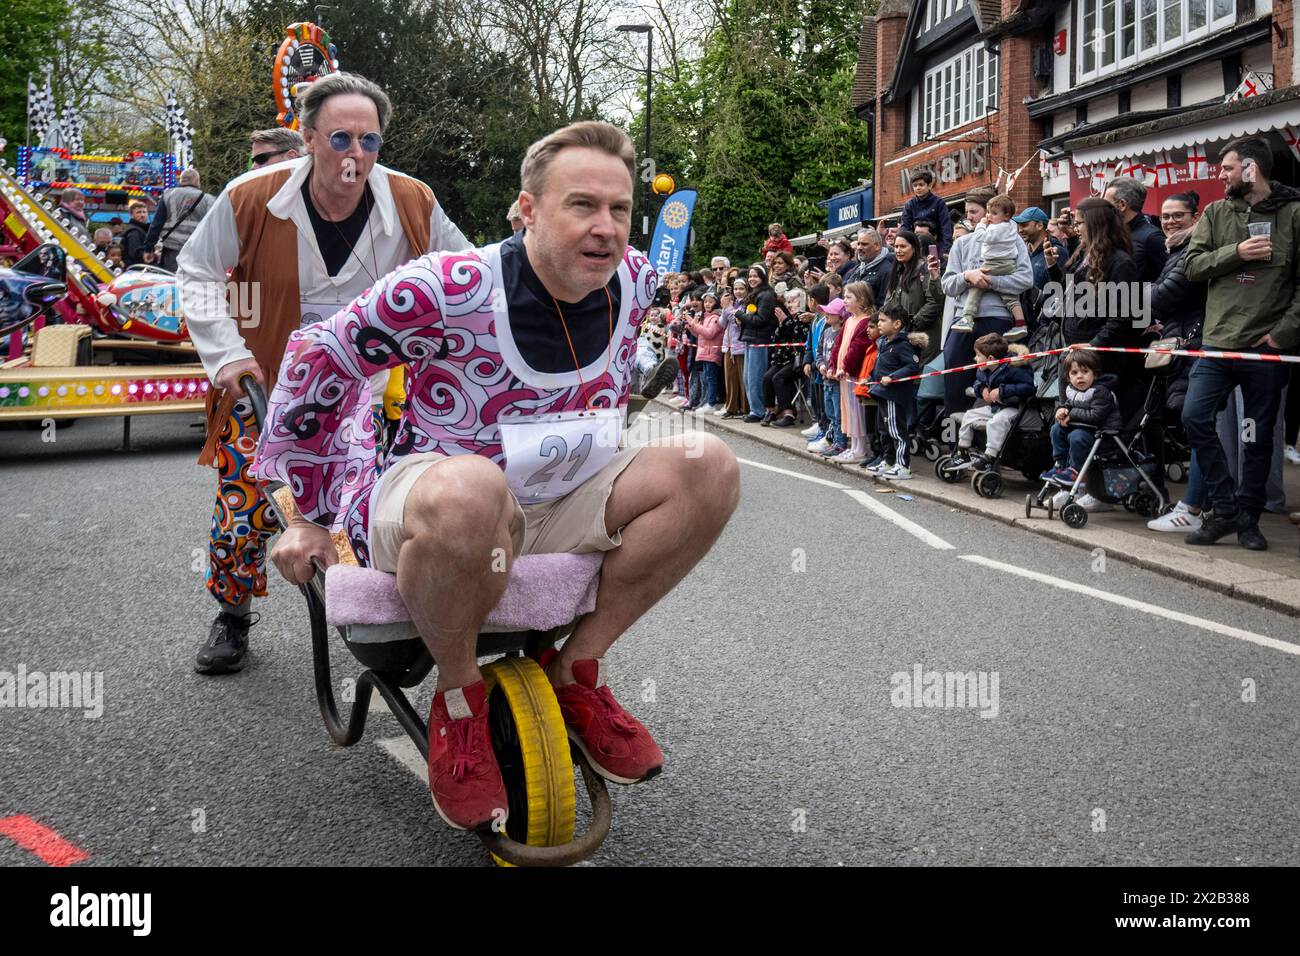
(341, 141)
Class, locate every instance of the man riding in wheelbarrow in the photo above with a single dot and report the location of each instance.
(519, 358)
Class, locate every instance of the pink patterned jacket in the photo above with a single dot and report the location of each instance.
(444, 315)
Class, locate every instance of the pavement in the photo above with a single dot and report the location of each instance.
(1270, 578)
(1135, 719)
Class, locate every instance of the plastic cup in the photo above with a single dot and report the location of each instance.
(1262, 229)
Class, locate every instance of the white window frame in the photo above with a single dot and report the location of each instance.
(937, 11)
(958, 91)
(1113, 17)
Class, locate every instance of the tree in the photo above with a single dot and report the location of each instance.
(761, 123)
(30, 32)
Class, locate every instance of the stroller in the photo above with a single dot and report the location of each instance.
(1114, 472)
(927, 433)
(1028, 448)
(1165, 402)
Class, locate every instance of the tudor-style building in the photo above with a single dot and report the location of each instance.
(948, 100)
(1140, 86)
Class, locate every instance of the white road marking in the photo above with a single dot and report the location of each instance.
(871, 504)
(889, 514)
(403, 750)
(934, 541)
(794, 474)
(1136, 605)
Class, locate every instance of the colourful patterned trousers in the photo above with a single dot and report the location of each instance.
(242, 521)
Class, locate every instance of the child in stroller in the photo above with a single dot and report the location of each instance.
(1013, 401)
(1086, 433)
(1001, 388)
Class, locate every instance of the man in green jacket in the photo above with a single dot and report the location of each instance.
(1247, 248)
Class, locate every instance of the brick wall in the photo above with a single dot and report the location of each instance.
(1283, 56)
(891, 129)
(892, 192)
(1018, 134)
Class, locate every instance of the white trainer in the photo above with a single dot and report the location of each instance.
(1179, 519)
(896, 473)
(1092, 505)
(819, 447)
(720, 410)
(846, 456)
(1291, 454)
(811, 432)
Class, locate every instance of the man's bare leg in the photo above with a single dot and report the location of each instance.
(457, 514)
(672, 502)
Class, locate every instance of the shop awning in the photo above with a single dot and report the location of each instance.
(1215, 123)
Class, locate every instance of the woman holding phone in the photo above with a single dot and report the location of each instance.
(914, 285)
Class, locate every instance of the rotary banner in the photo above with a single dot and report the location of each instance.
(668, 244)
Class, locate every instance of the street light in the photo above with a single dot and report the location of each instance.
(648, 30)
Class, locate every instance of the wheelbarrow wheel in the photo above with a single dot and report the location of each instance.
(532, 749)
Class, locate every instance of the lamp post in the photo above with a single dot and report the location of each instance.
(648, 30)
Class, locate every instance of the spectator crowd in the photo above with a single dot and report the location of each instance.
(830, 334)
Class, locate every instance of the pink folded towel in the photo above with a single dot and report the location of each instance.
(545, 591)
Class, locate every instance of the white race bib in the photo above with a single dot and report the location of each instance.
(548, 456)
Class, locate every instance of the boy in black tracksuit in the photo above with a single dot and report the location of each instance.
(898, 355)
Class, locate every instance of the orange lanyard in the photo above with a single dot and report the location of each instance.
(609, 354)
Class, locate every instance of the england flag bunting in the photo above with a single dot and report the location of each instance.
(1133, 167)
(1292, 137)
(1252, 84)
(1100, 176)
(1198, 166)
(1165, 169)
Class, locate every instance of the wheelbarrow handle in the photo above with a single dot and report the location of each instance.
(256, 398)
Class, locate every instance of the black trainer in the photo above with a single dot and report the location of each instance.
(227, 644)
(664, 374)
(1214, 528)
(1251, 538)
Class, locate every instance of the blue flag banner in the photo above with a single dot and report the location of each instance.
(668, 244)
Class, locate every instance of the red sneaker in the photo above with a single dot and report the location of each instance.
(464, 778)
(615, 743)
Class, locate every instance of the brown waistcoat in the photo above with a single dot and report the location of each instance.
(268, 255)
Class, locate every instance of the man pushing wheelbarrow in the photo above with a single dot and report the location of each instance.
(519, 358)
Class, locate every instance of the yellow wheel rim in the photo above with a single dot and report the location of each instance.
(533, 748)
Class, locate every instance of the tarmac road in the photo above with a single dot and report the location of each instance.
(1119, 733)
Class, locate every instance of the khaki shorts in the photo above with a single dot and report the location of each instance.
(574, 524)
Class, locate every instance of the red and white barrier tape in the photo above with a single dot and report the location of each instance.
(1186, 353)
